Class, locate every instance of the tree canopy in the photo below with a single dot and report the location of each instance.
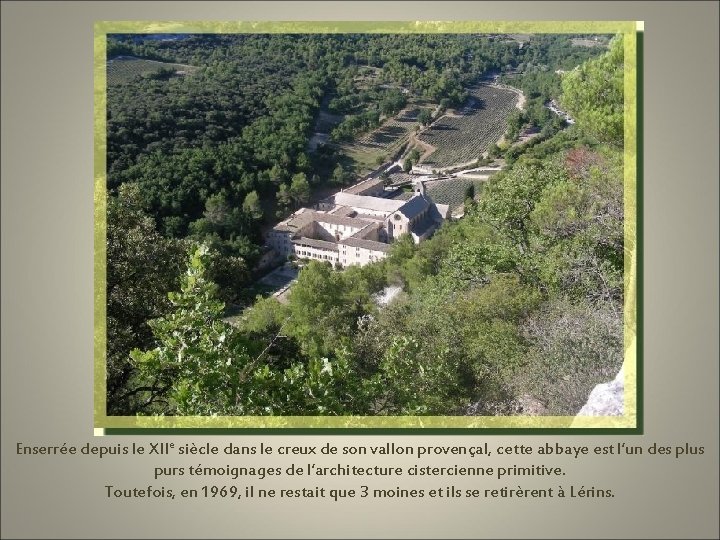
(521, 298)
(594, 95)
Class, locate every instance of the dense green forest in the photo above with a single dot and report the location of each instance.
(546, 58)
(520, 299)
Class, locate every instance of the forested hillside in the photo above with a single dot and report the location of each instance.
(519, 301)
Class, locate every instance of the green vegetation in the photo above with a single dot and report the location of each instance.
(594, 95)
(520, 298)
(208, 367)
(541, 57)
(198, 165)
(143, 267)
(545, 61)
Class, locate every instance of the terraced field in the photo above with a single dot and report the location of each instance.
(451, 192)
(125, 68)
(383, 141)
(391, 131)
(462, 138)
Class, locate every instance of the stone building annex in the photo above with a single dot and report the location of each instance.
(357, 225)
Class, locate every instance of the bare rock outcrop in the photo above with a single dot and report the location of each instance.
(606, 399)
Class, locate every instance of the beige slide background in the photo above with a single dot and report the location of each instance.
(47, 299)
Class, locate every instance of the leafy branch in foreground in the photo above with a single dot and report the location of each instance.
(208, 367)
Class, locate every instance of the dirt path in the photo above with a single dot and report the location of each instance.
(428, 148)
(457, 166)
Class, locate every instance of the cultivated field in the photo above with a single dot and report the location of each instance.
(125, 68)
(462, 137)
(451, 192)
(392, 130)
(383, 141)
(594, 42)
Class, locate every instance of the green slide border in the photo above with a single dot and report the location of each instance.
(631, 422)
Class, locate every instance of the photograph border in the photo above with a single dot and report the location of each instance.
(630, 422)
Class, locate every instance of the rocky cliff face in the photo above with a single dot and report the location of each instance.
(606, 399)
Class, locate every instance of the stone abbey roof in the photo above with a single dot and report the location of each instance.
(367, 244)
(369, 183)
(441, 211)
(377, 204)
(312, 242)
(351, 241)
(295, 222)
(368, 225)
(414, 206)
(300, 220)
(345, 211)
(367, 230)
(424, 226)
(340, 220)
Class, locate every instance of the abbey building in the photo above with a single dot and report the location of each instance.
(356, 226)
